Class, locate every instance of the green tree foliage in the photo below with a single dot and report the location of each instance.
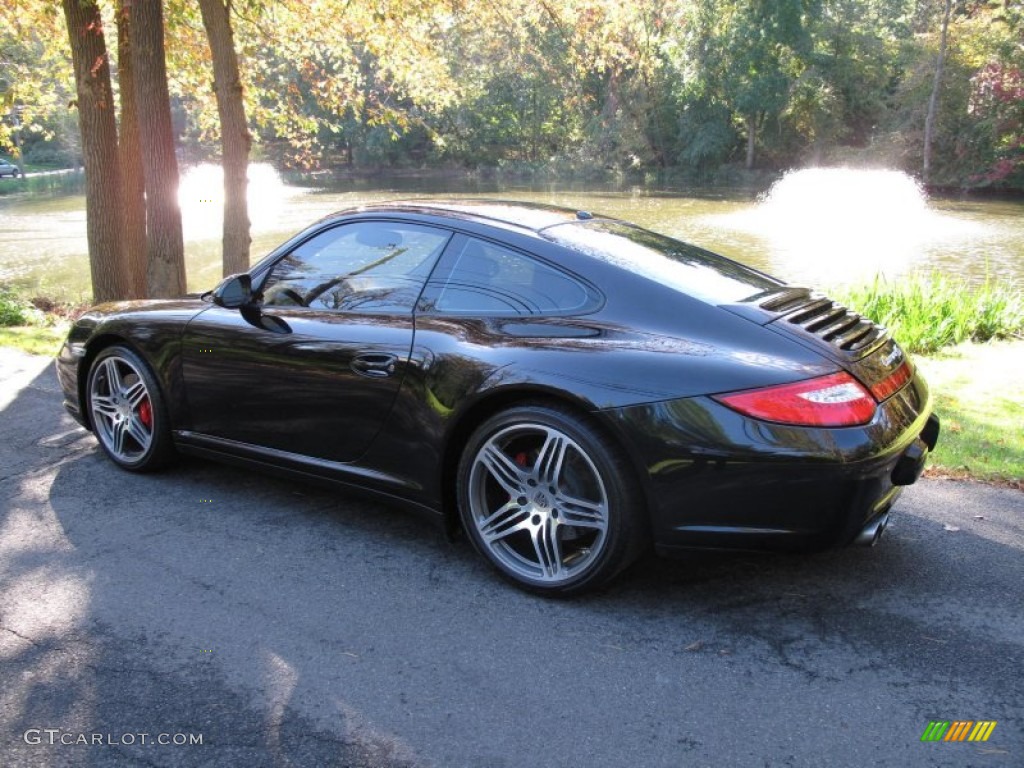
(36, 82)
(844, 88)
(687, 86)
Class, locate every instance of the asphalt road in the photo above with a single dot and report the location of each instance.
(291, 626)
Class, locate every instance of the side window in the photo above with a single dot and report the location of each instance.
(372, 266)
(488, 279)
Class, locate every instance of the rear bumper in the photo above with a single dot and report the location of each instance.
(716, 479)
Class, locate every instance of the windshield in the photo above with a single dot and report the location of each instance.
(694, 271)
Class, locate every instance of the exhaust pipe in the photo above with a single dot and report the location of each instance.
(872, 531)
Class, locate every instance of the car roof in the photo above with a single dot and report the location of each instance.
(531, 216)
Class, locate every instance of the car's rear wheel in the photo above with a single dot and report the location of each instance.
(549, 500)
(127, 411)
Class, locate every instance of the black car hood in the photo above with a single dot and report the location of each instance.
(141, 321)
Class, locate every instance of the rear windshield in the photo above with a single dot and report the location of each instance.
(694, 271)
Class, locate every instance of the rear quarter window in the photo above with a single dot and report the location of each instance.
(686, 268)
(484, 278)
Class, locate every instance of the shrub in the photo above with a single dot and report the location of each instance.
(13, 310)
(926, 312)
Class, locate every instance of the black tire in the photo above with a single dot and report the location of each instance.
(549, 500)
(127, 411)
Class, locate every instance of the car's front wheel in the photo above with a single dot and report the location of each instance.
(549, 500)
(127, 411)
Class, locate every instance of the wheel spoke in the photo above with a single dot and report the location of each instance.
(548, 549)
(135, 393)
(103, 405)
(114, 383)
(105, 424)
(548, 466)
(138, 432)
(581, 513)
(117, 433)
(505, 521)
(502, 469)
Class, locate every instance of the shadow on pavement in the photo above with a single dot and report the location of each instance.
(290, 625)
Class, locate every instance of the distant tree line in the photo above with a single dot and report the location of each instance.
(696, 88)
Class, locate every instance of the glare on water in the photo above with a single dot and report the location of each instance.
(844, 225)
(201, 197)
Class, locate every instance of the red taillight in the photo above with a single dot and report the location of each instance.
(893, 383)
(837, 400)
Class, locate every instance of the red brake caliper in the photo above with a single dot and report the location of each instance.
(521, 458)
(146, 413)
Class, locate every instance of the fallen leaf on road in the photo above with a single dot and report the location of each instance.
(695, 646)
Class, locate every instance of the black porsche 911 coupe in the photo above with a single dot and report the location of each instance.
(566, 388)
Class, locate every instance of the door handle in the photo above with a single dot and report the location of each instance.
(374, 365)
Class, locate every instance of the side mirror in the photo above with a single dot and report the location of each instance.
(234, 292)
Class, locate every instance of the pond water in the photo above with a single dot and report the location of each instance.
(821, 227)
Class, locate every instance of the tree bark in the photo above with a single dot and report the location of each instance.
(933, 100)
(165, 251)
(104, 224)
(234, 134)
(131, 160)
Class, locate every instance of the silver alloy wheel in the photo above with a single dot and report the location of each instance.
(122, 412)
(538, 503)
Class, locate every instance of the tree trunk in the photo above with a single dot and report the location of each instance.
(131, 160)
(751, 138)
(104, 224)
(165, 251)
(234, 134)
(933, 101)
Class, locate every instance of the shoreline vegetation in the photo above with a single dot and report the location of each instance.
(928, 312)
(968, 340)
(45, 181)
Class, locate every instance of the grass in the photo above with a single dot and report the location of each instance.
(35, 339)
(928, 312)
(37, 326)
(979, 395)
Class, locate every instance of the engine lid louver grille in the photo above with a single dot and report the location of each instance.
(819, 316)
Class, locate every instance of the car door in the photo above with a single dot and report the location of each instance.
(314, 368)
